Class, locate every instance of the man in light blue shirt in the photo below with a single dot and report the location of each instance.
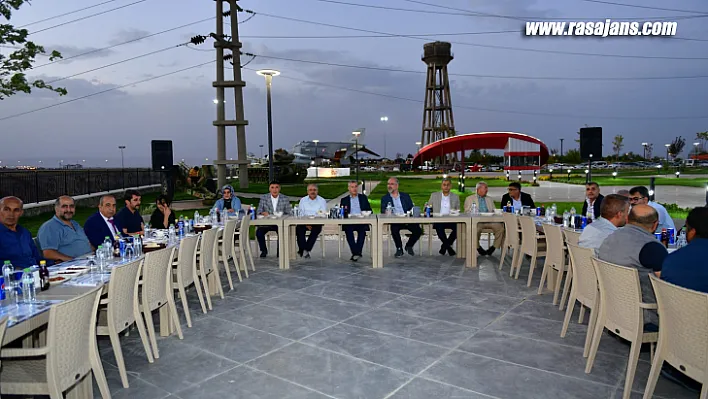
(640, 196)
(312, 205)
(613, 214)
(62, 238)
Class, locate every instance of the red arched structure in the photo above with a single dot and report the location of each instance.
(486, 140)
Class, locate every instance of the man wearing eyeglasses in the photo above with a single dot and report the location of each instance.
(640, 196)
(516, 197)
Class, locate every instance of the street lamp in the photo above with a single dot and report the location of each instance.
(121, 148)
(356, 134)
(645, 150)
(695, 147)
(614, 174)
(551, 172)
(268, 74)
(314, 162)
(261, 146)
(569, 174)
(384, 119)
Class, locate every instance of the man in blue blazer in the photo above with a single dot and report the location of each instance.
(401, 203)
(353, 204)
(102, 224)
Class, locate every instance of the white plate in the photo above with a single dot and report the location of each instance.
(65, 279)
(487, 213)
(402, 216)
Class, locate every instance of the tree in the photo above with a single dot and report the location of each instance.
(617, 145)
(13, 66)
(676, 146)
(703, 138)
(572, 157)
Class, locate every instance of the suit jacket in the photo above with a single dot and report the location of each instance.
(266, 205)
(406, 202)
(595, 207)
(363, 202)
(526, 200)
(97, 230)
(474, 199)
(436, 201)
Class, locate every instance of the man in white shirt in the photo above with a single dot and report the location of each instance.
(613, 215)
(312, 205)
(640, 196)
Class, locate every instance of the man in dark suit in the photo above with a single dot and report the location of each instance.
(401, 203)
(593, 198)
(353, 204)
(516, 198)
(102, 224)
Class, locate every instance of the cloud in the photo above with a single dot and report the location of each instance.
(125, 35)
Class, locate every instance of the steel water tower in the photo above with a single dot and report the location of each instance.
(438, 122)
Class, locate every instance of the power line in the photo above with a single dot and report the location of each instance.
(125, 42)
(526, 18)
(117, 63)
(65, 14)
(488, 109)
(374, 68)
(488, 45)
(645, 7)
(88, 16)
(382, 36)
(106, 91)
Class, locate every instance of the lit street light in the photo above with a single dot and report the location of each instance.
(268, 74)
(356, 134)
(314, 161)
(384, 119)
(122, 164)
(645, 150)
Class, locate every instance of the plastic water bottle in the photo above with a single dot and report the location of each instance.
(196, 216)
(681, 240)
(138, 245)
(28, 289)
(566, 219)
(475, 211)
(8, 274)
(389, 209)
(171, 234)
(107, 243)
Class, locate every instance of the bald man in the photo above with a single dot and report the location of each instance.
(635, 245)
(61, 237)
(16, 244)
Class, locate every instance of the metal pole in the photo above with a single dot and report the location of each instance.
(122, 164)
(238, 86)
(562, 146)
(269, 80)
(652, 188)
(356, 151)
(220, 106)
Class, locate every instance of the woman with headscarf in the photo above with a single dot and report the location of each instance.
(228, 204)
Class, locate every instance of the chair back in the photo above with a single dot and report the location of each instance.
(571, 237)
(3, 326)
(122, 292)
(70, 333)
(683, 328)
(207, 250)
(584, 277)
(228, 237)
(511, 224)
(244, 228)
(187, 260)
(529, 243)
(157, 277)
(554, 244)
(620, 296)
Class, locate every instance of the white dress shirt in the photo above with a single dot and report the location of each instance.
(445, 204)
(111, 227)
(595, 233)
(274, 201)
(310, 207)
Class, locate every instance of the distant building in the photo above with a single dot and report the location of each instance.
(343, 152)
(74, 166)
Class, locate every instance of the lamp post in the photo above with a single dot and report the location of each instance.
(121, 148)
(614, 174)
(314, 161)
(562, 146)
(695, 147)
(384, 119)
(645, 150)
(588, 172)
(551, 172)
(268, 74)
(569, 170)
(356, 134)
(261, 157)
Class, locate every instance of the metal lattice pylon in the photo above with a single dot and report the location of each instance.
(438, 122)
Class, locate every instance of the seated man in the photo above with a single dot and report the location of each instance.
(268, 204)
(687, 266)
(163, 216)
(311, 205)
(485, 204)
(354, 203)
(62, 238)
(16, 243)
(593, 200)
(102, 224)
(129, 218)
(614, 213)
(228, 204)
(634, 245)
(401, 203)
(640, 196)
(443, 202)
(516, 198)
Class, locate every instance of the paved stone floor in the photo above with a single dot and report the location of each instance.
(422, 327)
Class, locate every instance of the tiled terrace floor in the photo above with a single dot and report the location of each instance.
(422, 327)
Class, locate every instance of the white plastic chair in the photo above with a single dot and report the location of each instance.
(585, 290)
(186, 274)
(511, 240)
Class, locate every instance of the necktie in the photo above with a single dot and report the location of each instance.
(113, 224)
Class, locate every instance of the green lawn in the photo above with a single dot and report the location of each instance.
(630, 182)
(327, 189)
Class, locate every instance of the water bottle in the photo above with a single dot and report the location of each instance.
(475, 212)
(28, 289)
(8, 274)
(138, 245)
(171, 234)
(107, 243)
(196, 216)
(35, 277)
(389, 209)
(253, 214)
(566, 219)
(180, 228)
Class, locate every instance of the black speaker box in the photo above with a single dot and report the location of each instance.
(162, 155)
(590, 143)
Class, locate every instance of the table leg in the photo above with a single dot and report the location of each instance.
(460, 237)
(379, 243)
(374, 245)
(471, 253)
(283, 260)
